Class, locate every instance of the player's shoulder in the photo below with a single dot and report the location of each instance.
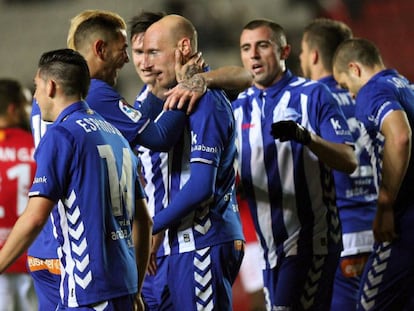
(214, 99)
(245, 97)
(307, 86)
(99, 92)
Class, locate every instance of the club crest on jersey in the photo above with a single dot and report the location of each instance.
(130, 112)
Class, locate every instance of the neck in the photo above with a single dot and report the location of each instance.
(320, 73)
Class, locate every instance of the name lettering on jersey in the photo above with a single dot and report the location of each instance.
(92, 125)
(20, 154)
(40, 180)
(200, 147)
(130, 112)
(343, 99)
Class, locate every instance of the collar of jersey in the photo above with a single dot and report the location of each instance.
(80, 105)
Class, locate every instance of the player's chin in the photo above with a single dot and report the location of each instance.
(148, 80)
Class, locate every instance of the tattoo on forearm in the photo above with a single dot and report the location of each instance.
(196, 84)
(190, 71)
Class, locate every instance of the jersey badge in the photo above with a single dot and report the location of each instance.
(130, 112)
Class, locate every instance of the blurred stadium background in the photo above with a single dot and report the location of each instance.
(30, 27)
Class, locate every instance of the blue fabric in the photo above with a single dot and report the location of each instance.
(203, 209)
(290, 193)
(387, 283)
(205, 276)
(93, 173)
(301, 282)
(46, 286)
(135, 127)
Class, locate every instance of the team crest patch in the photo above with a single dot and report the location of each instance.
(129, 111)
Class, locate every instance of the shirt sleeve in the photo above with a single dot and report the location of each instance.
(199, 188)
(53, 159)
(332, 125)
(163, 133)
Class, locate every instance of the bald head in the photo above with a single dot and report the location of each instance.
(175, 28)
(161, 41)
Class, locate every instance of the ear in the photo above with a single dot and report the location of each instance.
(51, 88)
(354, 69)
(285, 51)
(99, 48)
(184, 46)
(314, 57)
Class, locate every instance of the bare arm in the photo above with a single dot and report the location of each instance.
(142, 229)
(25, 230)
(340, 157)
(396, 156)
(142, 239)
(234, 78)
(193, 82)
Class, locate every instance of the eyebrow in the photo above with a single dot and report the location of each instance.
(268, 41)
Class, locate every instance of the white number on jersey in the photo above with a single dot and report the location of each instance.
(120, 188)
(20, 173)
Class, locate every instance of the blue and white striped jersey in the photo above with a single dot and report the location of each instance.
(209, 138)
(94, 176)
(385, 92)
(356, 194)
(155, 167)
(291, 194)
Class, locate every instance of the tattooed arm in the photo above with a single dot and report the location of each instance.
(193, 82)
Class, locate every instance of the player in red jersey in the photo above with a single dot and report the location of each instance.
(17, 168)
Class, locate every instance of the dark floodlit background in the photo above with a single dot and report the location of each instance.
(30, 27)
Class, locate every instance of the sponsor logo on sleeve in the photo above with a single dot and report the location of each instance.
(129, 111)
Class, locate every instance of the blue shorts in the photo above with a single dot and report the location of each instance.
(388, 280)
(301, 282)
(347, 282)
(115, 304)
(46, 281)
(204, 278)
(155, 290)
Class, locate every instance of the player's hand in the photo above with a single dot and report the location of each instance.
(190, 87)
(290, 130)
(152, 264)
(186, 94)
(383, 226)
(184, 71)
(139, 303)
(155, 245)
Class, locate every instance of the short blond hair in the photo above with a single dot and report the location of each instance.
(89, 15)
